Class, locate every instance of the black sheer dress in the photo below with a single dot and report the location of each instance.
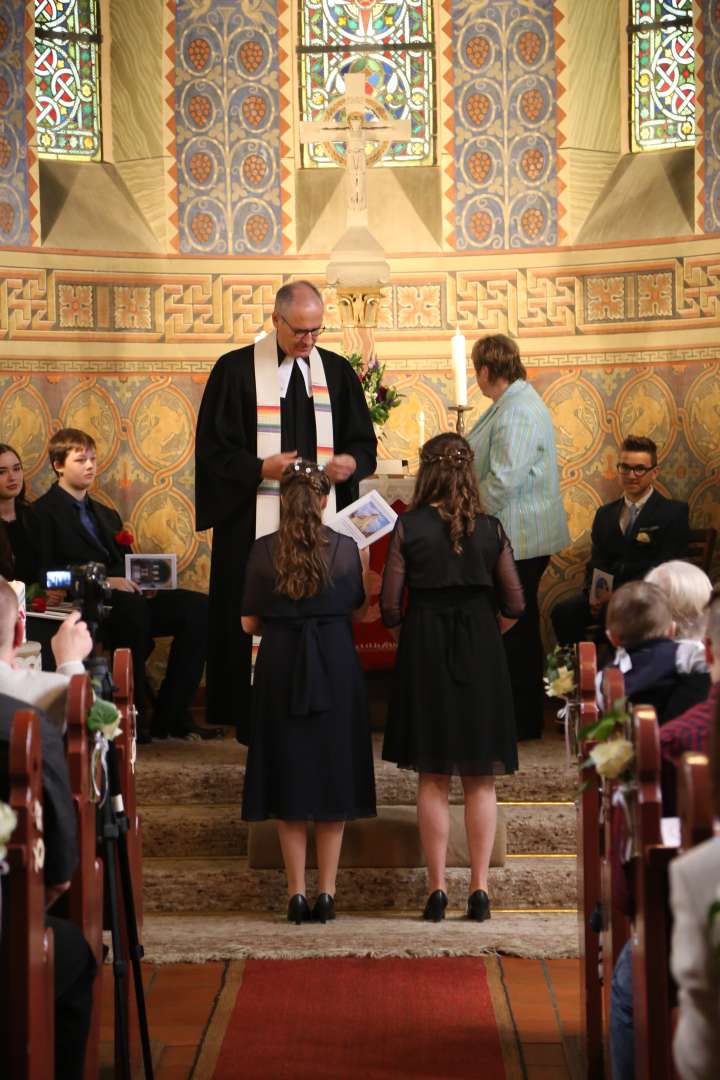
(310, 754)
(451, 706)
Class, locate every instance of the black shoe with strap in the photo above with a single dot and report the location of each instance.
(435, 907)
(478, 908)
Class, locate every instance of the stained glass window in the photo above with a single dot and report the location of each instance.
(67, 79)
(662, 71)
(393, 44)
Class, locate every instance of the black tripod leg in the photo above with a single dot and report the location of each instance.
(111, 861)
(136, 951)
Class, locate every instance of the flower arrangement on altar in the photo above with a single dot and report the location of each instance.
(381, 399)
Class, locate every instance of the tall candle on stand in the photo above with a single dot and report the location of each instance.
(421, 428)
(459, 363)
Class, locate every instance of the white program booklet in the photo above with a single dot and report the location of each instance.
(366, 519)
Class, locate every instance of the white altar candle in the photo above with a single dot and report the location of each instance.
(421, 428)
(459, 363)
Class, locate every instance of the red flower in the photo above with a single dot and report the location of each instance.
(39, 604)
(124, 538)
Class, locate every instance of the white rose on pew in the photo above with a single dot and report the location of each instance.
(105, 718)
(611, 758)
(562, 685)
(8, 821)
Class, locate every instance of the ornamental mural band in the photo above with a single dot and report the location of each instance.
(677, 293)
(144, 428)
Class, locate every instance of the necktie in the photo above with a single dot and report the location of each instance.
(633, 512)
(88, 523)
(300, 434)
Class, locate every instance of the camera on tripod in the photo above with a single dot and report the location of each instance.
(87, 590)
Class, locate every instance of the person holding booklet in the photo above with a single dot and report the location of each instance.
(265, 405)
(451, 708)
(310, 754)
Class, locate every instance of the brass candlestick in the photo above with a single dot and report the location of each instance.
(460, 419)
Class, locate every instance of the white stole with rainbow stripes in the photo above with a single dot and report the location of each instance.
(267, 389)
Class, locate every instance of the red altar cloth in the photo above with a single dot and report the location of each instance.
(374, 643)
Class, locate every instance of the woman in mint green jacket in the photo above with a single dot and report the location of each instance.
(516, 467)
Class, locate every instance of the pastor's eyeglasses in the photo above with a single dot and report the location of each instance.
(299, 334)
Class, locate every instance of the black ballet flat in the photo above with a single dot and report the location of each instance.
(435, 907)
(324, 908)
(478, 908)
(298, 909)
(192, 732)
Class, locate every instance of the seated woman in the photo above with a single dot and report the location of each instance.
(310, 755)
(451, 710)
(17, 554)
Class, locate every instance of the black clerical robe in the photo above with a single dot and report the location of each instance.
(227, 476)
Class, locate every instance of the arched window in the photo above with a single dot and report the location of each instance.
(393, 43)
(67, 79)
(662, 74)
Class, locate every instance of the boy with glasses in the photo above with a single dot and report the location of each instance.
(630, 536)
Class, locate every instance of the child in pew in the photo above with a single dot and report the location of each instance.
(658, 670)
(694, 884)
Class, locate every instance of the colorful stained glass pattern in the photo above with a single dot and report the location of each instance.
(228, 128)
(711, 69)
(67, 79)
(392, 43)
(14, 209)
(662, 47)
(505, 124)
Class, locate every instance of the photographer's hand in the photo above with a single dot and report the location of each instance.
(72, 641)
(123, 584)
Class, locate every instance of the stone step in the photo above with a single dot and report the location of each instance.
(216, 829)
(223, 885)
(174, 772)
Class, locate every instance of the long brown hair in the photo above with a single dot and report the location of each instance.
(7, 556)
(300, 567)
(6, 448)
(446, 479)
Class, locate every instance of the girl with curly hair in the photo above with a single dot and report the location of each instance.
(451, 707)
(310, 755)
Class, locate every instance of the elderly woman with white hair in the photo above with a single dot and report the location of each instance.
(688, 590)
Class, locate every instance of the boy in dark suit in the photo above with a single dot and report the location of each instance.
(630, 536)
(72, 528)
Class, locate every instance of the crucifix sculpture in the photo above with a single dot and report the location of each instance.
(356, 133)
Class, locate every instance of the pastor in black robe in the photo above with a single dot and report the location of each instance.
(227, 476)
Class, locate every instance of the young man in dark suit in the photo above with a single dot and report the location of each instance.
(630, 536)
(71, 528)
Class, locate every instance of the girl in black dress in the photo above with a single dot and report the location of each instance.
(310, 755)
(451, 707)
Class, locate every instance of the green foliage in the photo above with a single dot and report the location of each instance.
(380, 398)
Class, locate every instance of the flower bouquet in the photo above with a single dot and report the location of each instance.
(380, 398)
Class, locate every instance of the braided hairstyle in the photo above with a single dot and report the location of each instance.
(446, 480)
(300, 567)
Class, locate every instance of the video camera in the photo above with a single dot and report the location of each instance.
(87, 589)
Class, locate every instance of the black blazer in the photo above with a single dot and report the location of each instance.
(59, 827)
(61, 539)
(660, 533)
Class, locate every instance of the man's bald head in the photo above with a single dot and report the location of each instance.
(8, 616)
(300, 292)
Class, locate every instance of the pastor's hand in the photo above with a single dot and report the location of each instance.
(273, 466)
(340, 467)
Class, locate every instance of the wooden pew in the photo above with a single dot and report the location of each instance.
(588, 868)
(615, 925)
(652, 992)
(694, 800)
(85, 898)
(27, 1019)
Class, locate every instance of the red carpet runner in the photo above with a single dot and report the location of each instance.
(362, 1019)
